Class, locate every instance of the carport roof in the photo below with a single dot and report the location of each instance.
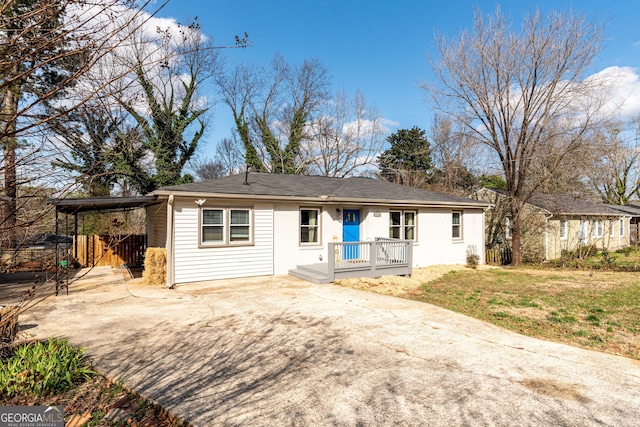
(77, 205)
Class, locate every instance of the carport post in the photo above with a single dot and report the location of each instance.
(75, 235)
(57, 258)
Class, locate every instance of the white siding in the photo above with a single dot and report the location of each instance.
(194, 264)
(157, 225)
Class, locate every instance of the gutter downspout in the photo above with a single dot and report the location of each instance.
(169, 244)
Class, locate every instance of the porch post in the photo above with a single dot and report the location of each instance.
(372, 255)
(331, 261)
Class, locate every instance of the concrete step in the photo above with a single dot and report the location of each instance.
(310, 275)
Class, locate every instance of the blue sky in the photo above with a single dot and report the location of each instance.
(380, 47)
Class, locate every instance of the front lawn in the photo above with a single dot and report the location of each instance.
(597, 310)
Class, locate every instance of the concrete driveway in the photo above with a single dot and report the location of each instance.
(279, 351)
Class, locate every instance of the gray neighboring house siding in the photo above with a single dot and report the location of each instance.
(554, 223)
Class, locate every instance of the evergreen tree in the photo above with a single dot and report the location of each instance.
(408, 161)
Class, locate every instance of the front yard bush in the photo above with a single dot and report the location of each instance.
(42, 368)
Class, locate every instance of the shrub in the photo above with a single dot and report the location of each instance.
(43, 367)
(473, 259)
(606, 260)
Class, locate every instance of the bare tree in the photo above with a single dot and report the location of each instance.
(46, 46)
(271, 108)
(345, 139)
(162, 97)
(229, 154)
(508, 88)
(239, 87)
(615, 171)
(454, 152)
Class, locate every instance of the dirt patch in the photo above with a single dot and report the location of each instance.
(403, 286)
(554, 388)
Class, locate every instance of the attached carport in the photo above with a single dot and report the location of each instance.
(76, 206)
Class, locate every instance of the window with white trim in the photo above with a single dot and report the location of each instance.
(612, 228)
(621, 228)
(213, 226)
(456, 225)
(564, 229)
(597, 228)
(402, 225)
(239, 225)
(225, 226)
(309, 225)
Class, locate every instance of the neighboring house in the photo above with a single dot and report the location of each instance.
(633, 210)
(270, 224)
(552, 224)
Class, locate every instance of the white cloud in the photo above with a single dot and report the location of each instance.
(623, 84)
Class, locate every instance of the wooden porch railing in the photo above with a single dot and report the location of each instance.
(370, 259)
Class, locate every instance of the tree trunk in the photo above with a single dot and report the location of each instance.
(515, 207)
(8, 117)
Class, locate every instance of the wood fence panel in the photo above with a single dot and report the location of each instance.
(96, 251)
(498, 256)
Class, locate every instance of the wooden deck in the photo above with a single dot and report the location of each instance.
(360, 259)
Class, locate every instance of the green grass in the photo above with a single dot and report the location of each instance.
(627, 259)
(596, 310)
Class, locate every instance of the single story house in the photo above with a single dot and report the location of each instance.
(270, 224)
(633, 210)
(553, 224)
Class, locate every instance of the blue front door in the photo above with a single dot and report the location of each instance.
(350, 232)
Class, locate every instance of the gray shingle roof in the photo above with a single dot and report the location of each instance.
(561, 204)
(281, 186)
(633, 210)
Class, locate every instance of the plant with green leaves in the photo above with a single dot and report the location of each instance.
(43, 367)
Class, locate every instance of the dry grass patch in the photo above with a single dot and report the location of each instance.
(400, 286)
(553, 388)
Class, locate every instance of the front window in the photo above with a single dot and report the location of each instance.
(564, 229)
(225, 226)
(612, 228)
(456, 225)
(309, 225)
(402, 225)
(621, 228)
(597, 229)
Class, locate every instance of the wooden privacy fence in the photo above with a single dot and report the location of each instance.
(498, 256)
(95, 251)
